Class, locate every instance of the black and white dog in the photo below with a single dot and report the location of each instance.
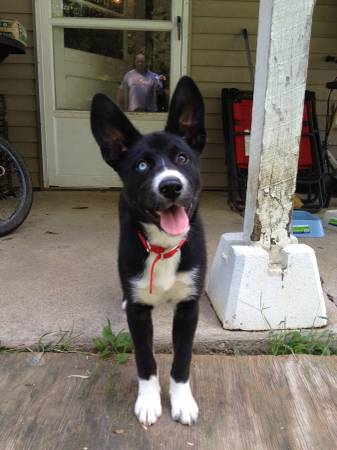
(162, 254)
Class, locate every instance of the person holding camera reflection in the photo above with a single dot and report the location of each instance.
(141, 86)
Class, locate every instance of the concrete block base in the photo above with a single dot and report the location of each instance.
(248, 293)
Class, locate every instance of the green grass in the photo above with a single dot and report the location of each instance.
(57, 342)
(117, 346)
(109, 345)
(53, 341)
(113, 345)
(303, 342)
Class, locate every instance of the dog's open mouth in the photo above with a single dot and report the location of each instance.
(174, 220)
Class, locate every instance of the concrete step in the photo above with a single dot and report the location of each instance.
(59, 272)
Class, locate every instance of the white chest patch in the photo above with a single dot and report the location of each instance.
(167, 283)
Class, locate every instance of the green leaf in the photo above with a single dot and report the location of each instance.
(121, 358)
(105, 353)
(107, 333)
(99, 344)
(123, 341)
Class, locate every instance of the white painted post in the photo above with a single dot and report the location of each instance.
(281, 72)
(263, 278)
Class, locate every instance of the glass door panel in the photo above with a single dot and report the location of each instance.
(87, 61)
(113, 9)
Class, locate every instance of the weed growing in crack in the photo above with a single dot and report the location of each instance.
(114, 345)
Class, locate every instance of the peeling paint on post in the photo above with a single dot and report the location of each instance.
(280, 80)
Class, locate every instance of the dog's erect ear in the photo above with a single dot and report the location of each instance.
(187, 114)
(111, 128)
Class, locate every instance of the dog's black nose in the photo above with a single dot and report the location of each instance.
(170, 188)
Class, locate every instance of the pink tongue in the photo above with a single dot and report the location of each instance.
(174, 220)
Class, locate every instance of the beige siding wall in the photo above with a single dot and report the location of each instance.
(17, 82)
(218, 60)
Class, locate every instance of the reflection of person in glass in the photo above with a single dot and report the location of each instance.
(141, 86)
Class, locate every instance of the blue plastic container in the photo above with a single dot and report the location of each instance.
(305, 224)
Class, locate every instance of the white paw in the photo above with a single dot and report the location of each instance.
(183, 406)
(148, 404)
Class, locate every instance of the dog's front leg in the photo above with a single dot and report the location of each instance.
(148, 404)
(183, 406)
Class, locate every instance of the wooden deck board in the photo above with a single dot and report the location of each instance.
(247, 402)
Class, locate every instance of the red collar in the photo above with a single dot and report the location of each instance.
(161, 253)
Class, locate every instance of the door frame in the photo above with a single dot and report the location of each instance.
(44, 23)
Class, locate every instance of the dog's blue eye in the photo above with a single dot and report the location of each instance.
(142, 166)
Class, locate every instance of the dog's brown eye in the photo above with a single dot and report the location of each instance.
(182, 158)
